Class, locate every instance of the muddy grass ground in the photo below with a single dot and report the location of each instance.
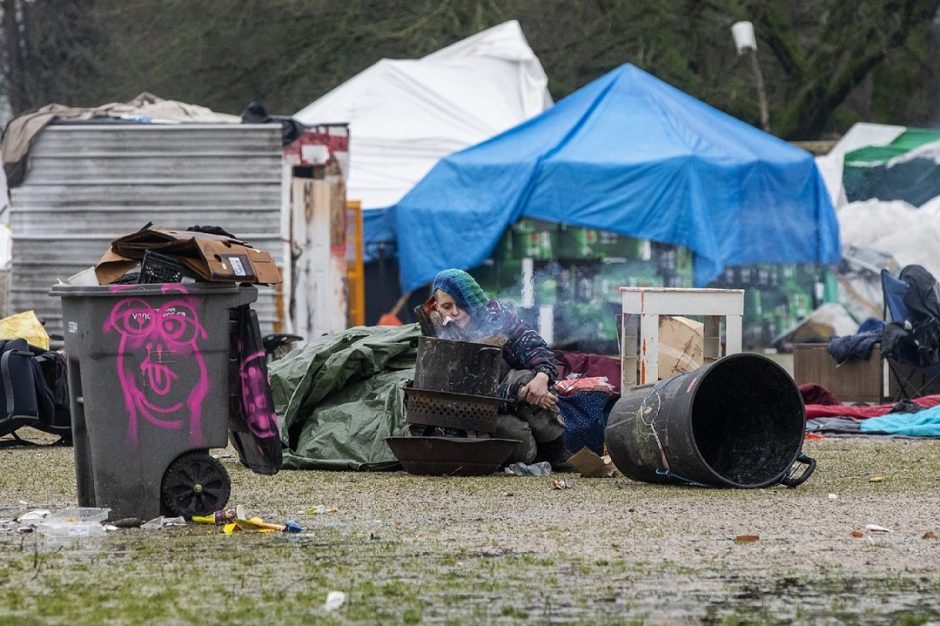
(500, 549)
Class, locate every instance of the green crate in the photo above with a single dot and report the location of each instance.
(503, 249)
(613, 245)
(536, 245)
(529, 225)
(577, 243)
(831, 289)
(753, 312)
(800, 304)
(676, 280)
(684, 261)
(626, 274)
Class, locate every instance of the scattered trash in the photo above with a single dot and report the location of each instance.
(258, 525)
(858, 534)
(334, 600)
(746, 538)
(876, 479)
(161, 522)
(71, 523)
(560, 484)
(128, 522)
(221, 518)
(80, 514)
(542, 468)
(33, 516)
(875, 528)
(320, 510)
(833, 496)
(929, 535)
(70, 530)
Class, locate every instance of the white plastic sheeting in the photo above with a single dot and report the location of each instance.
(907, 233)
(404, 115)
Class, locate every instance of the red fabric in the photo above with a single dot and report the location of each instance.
(817, 394)
(844, 410)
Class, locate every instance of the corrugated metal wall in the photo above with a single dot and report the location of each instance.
(89, 184)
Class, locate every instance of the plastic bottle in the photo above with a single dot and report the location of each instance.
(219, 518)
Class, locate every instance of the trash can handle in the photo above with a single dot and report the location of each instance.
(789, 479)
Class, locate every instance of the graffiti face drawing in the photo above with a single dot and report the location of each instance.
(159, 365)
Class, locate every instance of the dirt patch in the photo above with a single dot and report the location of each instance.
(500, 549)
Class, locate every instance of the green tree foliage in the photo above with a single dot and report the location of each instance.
(826, 63)
(48, 50)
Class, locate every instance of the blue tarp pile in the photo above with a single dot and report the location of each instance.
(630, 154)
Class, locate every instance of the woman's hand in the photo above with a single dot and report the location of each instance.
(536, 392)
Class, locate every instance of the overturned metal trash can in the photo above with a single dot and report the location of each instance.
(737, 422)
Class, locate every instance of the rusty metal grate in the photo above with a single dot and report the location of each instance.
(453, 410)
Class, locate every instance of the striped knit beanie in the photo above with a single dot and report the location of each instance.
(460, 286)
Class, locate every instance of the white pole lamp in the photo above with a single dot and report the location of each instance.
(745, 42)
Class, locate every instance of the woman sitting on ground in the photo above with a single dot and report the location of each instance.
(459, 310)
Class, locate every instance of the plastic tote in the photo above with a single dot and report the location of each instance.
(149, 385)
(736, 422)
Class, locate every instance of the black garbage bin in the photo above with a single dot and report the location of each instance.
(149, 382)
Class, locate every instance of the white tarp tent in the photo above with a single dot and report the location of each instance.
(405, 115)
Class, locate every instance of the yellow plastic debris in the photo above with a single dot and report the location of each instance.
(26, 326)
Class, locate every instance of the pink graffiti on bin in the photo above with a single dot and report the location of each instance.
(158, 348)
(259, 414)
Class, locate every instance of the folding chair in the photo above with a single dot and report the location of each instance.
(905, 334)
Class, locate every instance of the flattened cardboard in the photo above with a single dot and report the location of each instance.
(112, 266)
(591, 465)
(681, 343)
(211, 257)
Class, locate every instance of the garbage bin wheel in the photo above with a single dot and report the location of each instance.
(195, 484)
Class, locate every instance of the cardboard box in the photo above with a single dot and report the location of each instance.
(681, 345)
(211, 257)
(853, 381)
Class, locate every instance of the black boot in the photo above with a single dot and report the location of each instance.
(556, 454)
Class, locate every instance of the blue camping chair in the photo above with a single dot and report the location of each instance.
(912, 376)
(894, 290)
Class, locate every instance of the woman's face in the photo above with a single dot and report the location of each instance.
(449, 309)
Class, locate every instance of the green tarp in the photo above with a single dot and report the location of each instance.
(906, 169)
(341, 395)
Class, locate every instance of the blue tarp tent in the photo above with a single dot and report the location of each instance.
(630, 154)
